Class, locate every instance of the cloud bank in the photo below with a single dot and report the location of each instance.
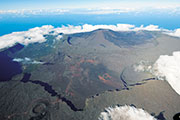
(25, 12)
(37, 34)
(27, 61)
(168, 68)
(148, 28)
(25, 37)
(175, 33)
(165, 68)
(125, 113)
(70, 29)
(143, 66)
(173, 9)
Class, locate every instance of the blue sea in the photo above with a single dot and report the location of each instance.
(10, 23)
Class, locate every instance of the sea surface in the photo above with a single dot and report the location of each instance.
(12, 23)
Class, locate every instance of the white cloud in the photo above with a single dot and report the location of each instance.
(109, 8)
(125, 113)
(18, 59)
(37, 34)
(175, 33)
(34, 12)
(148, 28)
(118, 27)
(73, 11)
(59, 37)
(31, 36)
(70, 29)
(143, 66)
(27, 61)
(168, 68)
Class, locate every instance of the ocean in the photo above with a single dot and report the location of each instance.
(12, 23)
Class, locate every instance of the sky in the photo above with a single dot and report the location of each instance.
(51, 4)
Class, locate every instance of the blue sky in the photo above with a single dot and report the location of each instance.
(49, 4)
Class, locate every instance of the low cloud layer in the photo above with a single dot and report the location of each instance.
(125, 113)
(148, 28)
(37, 34)
(87, 28)
(143, 66)
(168, 68)
(175, 33)
(27, 61)
(25, 37)
(165, 68)
(25, 12)
(114, 9)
